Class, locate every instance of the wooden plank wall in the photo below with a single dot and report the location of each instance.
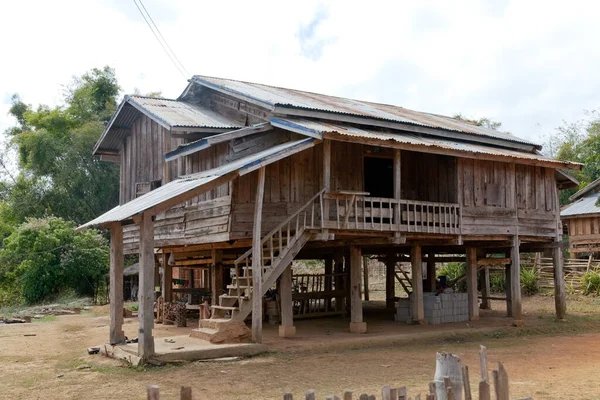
(428, 177)
(289, 184)
(142, 157)
(497, 196)
(204, 160)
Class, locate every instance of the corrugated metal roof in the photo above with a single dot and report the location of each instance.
(590, 187)
(176, 114)
(190, 182)
(270, 96)
(168, 113)
(585, 205)
(319, 127)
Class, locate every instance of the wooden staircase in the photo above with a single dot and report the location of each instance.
(279, 247)
(404, 279)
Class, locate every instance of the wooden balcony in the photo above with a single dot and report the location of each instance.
(356, 211)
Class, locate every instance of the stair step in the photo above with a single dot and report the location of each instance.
(203, 333)
(238, 287)
(226, 296)
(226, 308)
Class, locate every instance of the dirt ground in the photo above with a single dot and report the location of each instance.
(545, 360)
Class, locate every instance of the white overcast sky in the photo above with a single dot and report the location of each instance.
(528, 64)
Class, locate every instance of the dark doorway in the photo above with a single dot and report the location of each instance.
(379, 177)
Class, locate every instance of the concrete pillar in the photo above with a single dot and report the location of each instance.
(287, 328)
(560, 301)
(116, 283)
(356, 312)
(418, 308)
(515, 282)
(390, 282)
(431, 273)
(146, 289)
(471, 258)
(366, 276)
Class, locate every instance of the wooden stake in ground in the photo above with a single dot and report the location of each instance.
(153, 393)
(186, 393)
(448, 366)
(483, 364)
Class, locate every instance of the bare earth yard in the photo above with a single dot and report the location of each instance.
(545, 360)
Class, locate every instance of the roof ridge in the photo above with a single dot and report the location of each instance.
(139, 96)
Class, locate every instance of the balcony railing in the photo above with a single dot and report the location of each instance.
(356, 211)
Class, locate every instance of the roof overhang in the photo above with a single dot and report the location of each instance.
(410, 141)
(190, 186)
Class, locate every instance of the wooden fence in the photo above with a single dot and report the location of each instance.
(438, 390)
(574, 269)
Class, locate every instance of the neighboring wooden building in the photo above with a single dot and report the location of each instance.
(243, 178)
(582, 219)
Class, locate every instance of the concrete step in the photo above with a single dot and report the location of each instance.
(203, 333)
(226, 308)
(213, 323)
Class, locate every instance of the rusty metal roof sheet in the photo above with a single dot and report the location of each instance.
(187, 183)
(589, 188)
(168, 113)
(320, 127)
(585, 205)
(271, 97)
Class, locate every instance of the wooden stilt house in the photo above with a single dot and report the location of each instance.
(582, 219)
(241, 178)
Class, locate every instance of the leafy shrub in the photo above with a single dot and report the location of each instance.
(452, 271)
(497, 283)
(529, 280)
(44, 257)
(591, 282)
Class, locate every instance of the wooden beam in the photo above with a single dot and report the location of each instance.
(508, 290)
(116, 283)
(216, 284)
(485, 288)
(471, 254)
(328, 278)
(326, 179)
(515, 272)
(257, 259)
(366, 277)
(418, 308)
(390, 283)
(397, 187)
(560, 300)
(146, 288)
(167, 278)
(287, 328)
(431, 273)
(341, 282)
(356, 312)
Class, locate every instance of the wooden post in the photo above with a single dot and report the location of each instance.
(397, 188)
(326, 180)
(340, 282)
(418, 308)
(366, 276)
(146, 288)
(390, 282)
(216, 284)
(515, 282)
(485, 288)
(116, 283)
(167, 278)
(257, 314)
(356, 313)
(560, 301)
(185, 393)
(471, 255)
(287, 328)
(328, 279)
(431, 272)
(153, 393)
(508, 290)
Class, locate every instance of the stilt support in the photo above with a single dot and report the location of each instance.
(356, 312)
(418, 308)
(472, 283)
(287, 328)
(146, 290)
(560, 301)
(515, 282)
(116, 283)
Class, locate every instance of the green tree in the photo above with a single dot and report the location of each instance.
(44, 257)
(57, 173)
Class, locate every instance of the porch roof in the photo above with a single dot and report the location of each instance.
(411, 141)
(582, 206)
(185, 187)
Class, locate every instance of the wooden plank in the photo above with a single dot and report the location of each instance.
(356, 312)
(471, 255)
(257, 260)
(153, 393)
(146, 288)
(515, 272)
(418, 310)
(116, 284)
(185, 393)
